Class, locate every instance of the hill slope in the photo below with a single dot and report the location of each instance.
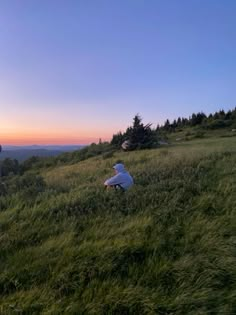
(167, 246)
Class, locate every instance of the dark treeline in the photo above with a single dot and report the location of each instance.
(217, 120)
(140, 136)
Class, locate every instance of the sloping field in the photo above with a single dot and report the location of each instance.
(167, 246)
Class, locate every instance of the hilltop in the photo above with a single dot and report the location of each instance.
(167, 246)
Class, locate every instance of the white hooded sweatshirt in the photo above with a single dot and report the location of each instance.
(122, 178)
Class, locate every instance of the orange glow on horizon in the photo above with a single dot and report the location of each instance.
(48, 140)
(30, 135)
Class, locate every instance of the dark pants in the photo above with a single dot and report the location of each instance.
(118, 187)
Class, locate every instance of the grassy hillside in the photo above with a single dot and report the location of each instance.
(167, 246)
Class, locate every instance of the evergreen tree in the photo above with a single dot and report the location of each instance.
(200, 117)
(174, 124)
(184, 122)
(210, 117)
(193, 120)
(233, 114)
(216, 115)
(228, 115)
(139, 134)
(222, 114)
(179, 122)
(167, 125)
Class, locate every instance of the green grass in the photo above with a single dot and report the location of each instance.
(198, 132)
(167, 246)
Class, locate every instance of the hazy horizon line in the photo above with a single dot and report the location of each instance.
(43, 145)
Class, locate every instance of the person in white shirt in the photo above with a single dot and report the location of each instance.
(122, 180)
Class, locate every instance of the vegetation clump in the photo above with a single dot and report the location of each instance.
(139, 136)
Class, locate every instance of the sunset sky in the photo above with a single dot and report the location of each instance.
(74, 71)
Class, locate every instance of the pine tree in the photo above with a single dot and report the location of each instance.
(167, 125)
(216, 115)
(222, 114)
(179, 122)
(228, 115)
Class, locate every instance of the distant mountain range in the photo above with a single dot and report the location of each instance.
(22, 153)
(63, 148)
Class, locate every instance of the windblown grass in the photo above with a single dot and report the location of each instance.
(167, 246)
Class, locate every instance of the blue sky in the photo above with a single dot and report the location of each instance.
(80, 70)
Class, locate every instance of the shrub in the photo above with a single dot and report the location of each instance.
(199, 134)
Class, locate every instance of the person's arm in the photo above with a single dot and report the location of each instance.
(115, 180)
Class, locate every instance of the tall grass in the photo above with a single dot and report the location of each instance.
(167, 246)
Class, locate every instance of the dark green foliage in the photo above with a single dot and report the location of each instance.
(197, 119)
(3, 189)
(217, 120)
(29, 163)
(9, 167)
(108, 155)
(118, 139)
(199, 134)
(218, 123)
(30, 181)
(139, 136)
(167, 126)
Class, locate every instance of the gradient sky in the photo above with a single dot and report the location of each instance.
(79, 70)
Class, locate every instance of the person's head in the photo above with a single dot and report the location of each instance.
(119, 168)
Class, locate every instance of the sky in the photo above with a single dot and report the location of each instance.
(74, 71)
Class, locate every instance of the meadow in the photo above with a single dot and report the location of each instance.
(167, 246)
